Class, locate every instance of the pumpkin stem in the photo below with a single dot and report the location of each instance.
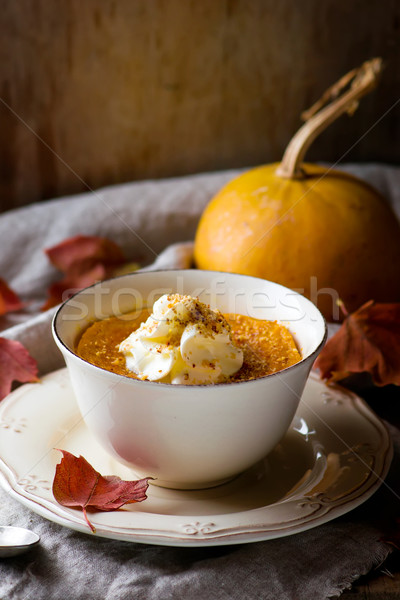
(330, 106)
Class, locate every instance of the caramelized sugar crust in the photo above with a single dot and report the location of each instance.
(267, 346)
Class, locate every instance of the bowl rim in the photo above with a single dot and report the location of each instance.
(117, 376)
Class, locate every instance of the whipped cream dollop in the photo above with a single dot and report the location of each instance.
(183, 341)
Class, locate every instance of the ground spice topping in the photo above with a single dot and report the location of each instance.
(267, 346)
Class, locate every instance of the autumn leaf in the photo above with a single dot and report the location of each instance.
(78, 485)
(9, 300)
(16, 364)
(66, 287)
(367, 342)
(83, 260)
(78, 254)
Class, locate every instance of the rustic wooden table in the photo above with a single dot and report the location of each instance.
(383, 583)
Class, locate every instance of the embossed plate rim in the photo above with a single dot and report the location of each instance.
(254, 524)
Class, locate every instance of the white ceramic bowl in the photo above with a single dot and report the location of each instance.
(189, 436)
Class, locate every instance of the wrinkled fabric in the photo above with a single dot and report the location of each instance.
(145, 219)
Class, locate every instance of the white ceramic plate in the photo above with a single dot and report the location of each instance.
(335, 456)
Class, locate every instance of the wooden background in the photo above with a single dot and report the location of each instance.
(95, 92)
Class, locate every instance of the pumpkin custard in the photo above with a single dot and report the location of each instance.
(184, 341)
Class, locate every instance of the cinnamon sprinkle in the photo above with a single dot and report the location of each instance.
(267, 346)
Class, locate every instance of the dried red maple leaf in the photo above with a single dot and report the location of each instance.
(16, 364)
(367, 342)
(9, 300)
(78, 485)
(83, 260)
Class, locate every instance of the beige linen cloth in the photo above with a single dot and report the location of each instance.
(145, 219)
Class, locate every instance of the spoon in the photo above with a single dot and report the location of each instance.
(16, 540)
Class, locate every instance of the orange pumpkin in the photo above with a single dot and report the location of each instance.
(320, 231)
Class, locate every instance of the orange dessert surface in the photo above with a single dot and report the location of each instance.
(267, 346)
